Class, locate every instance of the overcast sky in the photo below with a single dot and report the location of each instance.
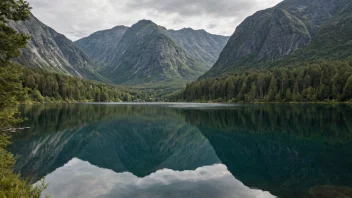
(80, 18)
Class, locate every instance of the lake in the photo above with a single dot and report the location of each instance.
(154, 150)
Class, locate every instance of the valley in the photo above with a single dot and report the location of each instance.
(153, 99)
(156, 62)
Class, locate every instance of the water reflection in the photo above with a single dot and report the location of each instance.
(81, 179)
(186, 150)
(140, 140)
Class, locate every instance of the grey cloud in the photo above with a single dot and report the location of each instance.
(222, 8)
(77, 19)
(40, 3)
(211, 26)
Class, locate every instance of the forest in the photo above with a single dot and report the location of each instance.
(321, 81)
(42, 86)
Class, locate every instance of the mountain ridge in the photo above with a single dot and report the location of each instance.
(146, 54)
(179, 61)
(52, 51)
(287, 31)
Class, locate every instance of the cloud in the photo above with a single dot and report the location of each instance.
(216, 8)
(77, 19)
(211, 26)
(81, 179)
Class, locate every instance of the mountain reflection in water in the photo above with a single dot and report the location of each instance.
(181, 150)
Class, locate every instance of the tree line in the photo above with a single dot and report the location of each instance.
(44, 86)
(321, 81)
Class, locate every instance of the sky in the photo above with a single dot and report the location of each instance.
(80, 18)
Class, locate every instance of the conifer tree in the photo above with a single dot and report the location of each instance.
(10, 90)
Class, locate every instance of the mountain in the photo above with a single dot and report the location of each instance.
(199, 44)
(146, 54)
(52, 51)
(291, 32)
(102, 45)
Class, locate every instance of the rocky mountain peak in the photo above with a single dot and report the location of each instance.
(149, 53)
(143, 23)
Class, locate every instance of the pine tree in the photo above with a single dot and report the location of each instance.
(347, 90)
(10, 90)
(253, 93)
(272, 89)
(288, 95)
(10, 40)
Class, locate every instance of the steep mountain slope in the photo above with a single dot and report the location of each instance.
(292, 31)
(199, 44)
(102, 45)
(52, 51)
(146, 54)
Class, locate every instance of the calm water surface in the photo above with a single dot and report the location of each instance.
(187, 150)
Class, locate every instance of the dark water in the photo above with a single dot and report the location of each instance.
(187, 150)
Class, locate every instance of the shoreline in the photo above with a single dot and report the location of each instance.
(171, 102)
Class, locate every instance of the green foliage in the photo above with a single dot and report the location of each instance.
(10, 90)
(10, 84)
(348, 89)
(324, 81)
(37, 96)
(11, 186)
(44, 86)
(10, 40)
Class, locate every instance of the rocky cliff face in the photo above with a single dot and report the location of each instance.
(199, 44)
(276, 33)
(52, 51)
(102, 45)
(146, 54)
